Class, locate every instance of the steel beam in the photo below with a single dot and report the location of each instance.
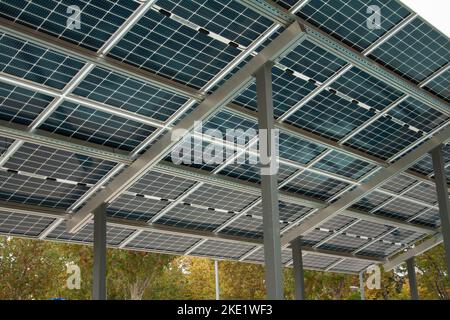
(216, 274)
(412, 279)
(297, 260)
(442, 195)
(362, 190)
(362, 286)
(282, 44)
(269, 185)
(99, 270)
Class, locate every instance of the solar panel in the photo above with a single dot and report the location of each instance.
(12, 223)
(100, 19)
(84, 123)
(371, 201)
(35, 63)
(351, 265)
(221, 249)
(318, 261)
(330, 116)
(401, 209)
(5, 143)
(347, 20)
(440, 86)
(156, 241)
(21, 105)
(58, 164)
(245, 226)
(129, 94)
(258, 256)
(43, 192)
(415, 52)
(135, 208)
(114, 235)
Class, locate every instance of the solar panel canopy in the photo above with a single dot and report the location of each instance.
(81, 103)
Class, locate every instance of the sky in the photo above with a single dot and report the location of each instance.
(436, 12)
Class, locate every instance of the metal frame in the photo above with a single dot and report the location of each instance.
(297, 262)
(99, 269)
(412, 279)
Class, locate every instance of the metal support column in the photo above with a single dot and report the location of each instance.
(297, 260)
(216, 273)
(442, 195)
(362, 288)
(99, 276)
(269, 188)
(412, 279)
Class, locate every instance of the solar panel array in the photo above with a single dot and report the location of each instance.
(355, 125)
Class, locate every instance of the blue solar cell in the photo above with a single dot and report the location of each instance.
(348, 20)
(4, 144)
(96, 126)
(360, 86)
(344, 165)
(417, 114)
(29, 190)
(330, 116)
(21, 105)
(58, 164)
(440, 86)
(99, 19)
(129, 94)
(288, 90)
(26, 60)
(131, 207)
(415, 52)
(224, 120)
(384, 138)
(245, 227)
(312, 61)
(166, 47)
(315, 185)
(298, 150)
(228, 18)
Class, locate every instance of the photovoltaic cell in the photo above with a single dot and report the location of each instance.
(401, 209)
(99, 19)
(351, 265)
(287, 211)
(312, 61)
(23, 224)
(21, 105)
(244, 226)
(415, 52)
(440, 86)
(317, 261)
(114, 235)
(403, 236)
(343, 243)
(383, 139)
(155, 241)
(371, 201)
(31, 62)
(30, 190)
(220, 198)
(368, 229)
(380, 249)
(315, 185)
(348, 20)
(330, 116)
(4, 144)
(399, 183)
(360, 86)
(417, 114)
(429, 218)
(423, 192)
(129, 94)
(189, 217)
(221, 249)
(344, 165)
(135, 208)
(228, 18)
(168, 48)
(80, 122)
(251, 172)
(161, 185)
(58, 164)
(258, 256)
(298, 150)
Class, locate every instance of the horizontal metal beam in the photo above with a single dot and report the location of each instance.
(362, 190)
(412, 252)
(279, 46)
